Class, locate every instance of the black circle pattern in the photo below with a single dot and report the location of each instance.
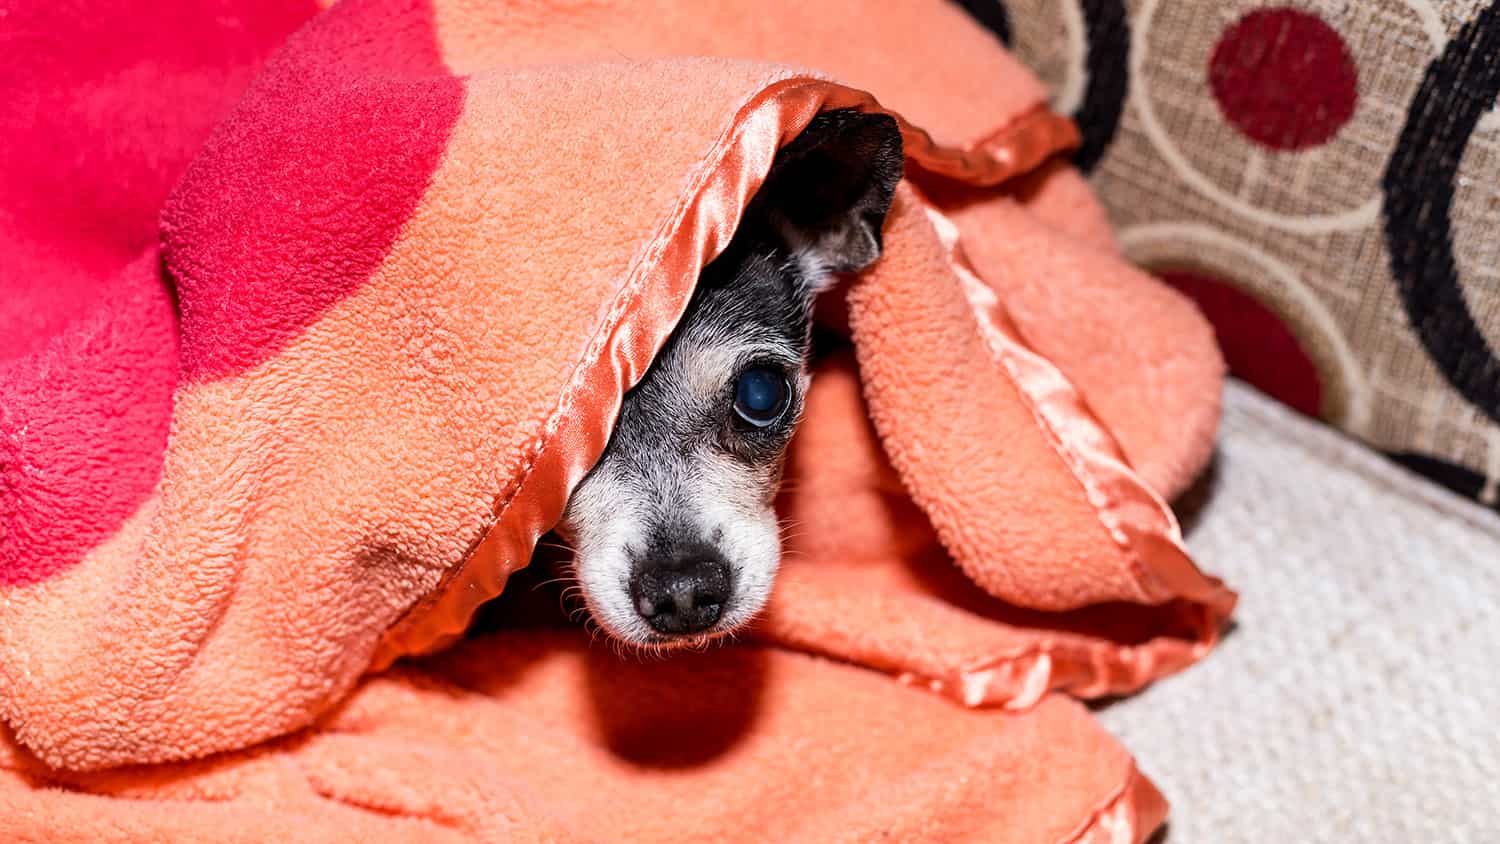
(991, 14)
(1107, 27)
(1465, 482)
(1106, 58)
(1419, 184)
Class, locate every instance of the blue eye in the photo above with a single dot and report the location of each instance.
(761, 395)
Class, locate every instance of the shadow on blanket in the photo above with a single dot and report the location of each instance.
(691, 722)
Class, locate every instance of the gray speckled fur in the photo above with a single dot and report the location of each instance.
(679, 471)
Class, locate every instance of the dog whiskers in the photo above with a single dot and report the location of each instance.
(566, 578)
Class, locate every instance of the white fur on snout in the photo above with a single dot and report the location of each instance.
(603, 522)
(749, 536)
(708, 501)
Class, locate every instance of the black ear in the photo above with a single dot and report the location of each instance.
(830, 188)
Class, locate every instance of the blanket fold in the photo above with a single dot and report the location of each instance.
(540, 738)
(401, 289)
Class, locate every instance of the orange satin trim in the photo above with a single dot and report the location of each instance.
(1133, 515)
(1018, 147)
(1080, 666)
(646, 309)
(1128, 816)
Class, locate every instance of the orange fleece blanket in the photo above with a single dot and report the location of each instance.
(395, 299)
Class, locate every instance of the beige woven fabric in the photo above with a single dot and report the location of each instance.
(1299, 230)
(1355, 699)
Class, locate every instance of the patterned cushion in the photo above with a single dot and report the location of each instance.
(1323, 177)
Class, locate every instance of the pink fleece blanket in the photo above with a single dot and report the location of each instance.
(308, 422)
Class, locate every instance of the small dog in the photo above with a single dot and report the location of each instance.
(674, 535)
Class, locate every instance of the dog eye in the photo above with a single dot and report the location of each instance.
(761, 395)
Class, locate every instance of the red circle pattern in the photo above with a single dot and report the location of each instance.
(1284, 78)
(1258, 346)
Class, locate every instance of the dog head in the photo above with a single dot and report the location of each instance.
(673, 530)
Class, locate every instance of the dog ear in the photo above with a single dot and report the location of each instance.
(830, 188)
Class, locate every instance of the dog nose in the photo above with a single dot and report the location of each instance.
(683, 596)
